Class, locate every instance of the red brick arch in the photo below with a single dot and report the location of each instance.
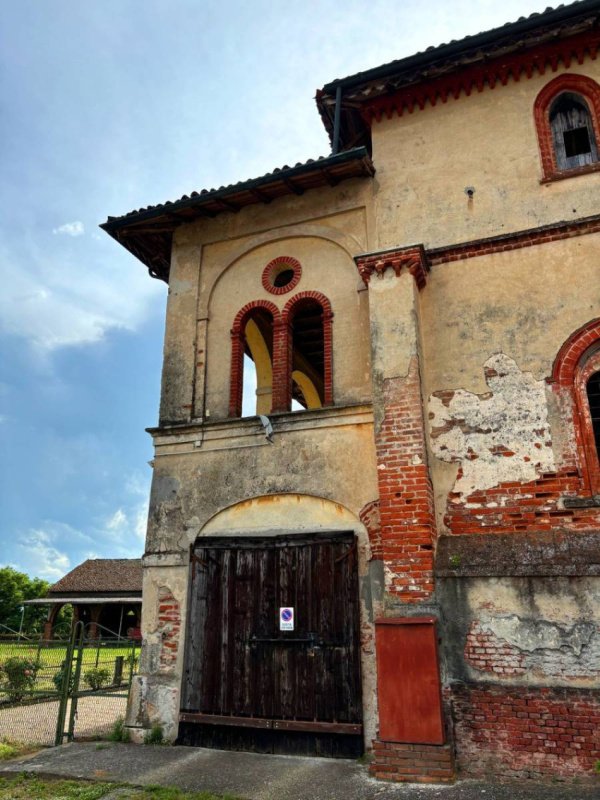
(238, 346)
(578, 84)
(577, 360)
(569, 355)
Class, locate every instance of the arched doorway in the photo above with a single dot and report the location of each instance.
(273, 645)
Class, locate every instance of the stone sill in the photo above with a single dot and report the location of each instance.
(545, 553)
(232, 433)
(560, 175)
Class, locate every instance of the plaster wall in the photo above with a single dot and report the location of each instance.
(487, 141)
(537, 631)
(326, 268)
(216, 269)
(491, 328)
(328, 454)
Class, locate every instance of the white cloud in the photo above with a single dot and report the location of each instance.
(40, 558)
(118, 521)
(71, 228)
(56, 302)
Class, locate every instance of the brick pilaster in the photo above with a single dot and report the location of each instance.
(405, 492)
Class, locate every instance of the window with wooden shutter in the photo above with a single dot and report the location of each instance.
(572, 132)
(567, 120)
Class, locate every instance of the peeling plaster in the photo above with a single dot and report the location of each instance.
(503, 435)
(531, 634)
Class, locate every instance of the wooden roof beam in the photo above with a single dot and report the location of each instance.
(293, 186)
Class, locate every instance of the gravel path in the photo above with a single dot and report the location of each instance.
(36, 724)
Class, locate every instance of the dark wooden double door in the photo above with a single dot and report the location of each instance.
(247, 683)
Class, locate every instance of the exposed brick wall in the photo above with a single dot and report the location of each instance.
(487, 653)
(169, 627)
(525, 733)
(371, 519)
(412, 763)
(514, 507)
(405, 491)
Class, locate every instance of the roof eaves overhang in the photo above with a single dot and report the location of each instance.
(363, 87)
(148, 233)
(83, 600)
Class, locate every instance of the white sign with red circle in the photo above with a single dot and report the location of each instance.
(286, 618)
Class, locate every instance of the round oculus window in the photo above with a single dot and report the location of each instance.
(281, 275)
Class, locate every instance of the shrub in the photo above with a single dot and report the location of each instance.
(154, 735)
(96, 678)
(18, 677)
(59, 677)
(119, 732)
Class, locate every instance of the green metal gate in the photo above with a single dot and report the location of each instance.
(54, 691)
(96, 684)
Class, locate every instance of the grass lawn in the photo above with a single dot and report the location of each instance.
(29, 787)
(49, 659)
(54, 655)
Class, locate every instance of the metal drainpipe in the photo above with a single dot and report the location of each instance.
(336, 120)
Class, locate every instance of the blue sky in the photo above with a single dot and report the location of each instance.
(106, 107)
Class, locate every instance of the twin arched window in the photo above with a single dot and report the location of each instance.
(567, 117)
(291, 351)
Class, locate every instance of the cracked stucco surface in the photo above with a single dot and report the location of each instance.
(503, 435)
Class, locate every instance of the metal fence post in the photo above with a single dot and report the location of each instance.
(66, 680)
(75, 690)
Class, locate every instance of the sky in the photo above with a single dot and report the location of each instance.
(110, 106)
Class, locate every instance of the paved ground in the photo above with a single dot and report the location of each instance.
(36, 723)
(262, 777)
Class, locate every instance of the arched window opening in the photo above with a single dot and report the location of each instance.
(249, 384)
(252, 343)
(593, 397)
(572, 132)
(257, 382)
(308, 356)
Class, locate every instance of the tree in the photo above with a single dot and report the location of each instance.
(15, 587)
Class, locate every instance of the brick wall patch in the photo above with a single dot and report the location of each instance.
(169, 627)
(525, 733)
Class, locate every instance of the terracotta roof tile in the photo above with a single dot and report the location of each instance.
(102, 575)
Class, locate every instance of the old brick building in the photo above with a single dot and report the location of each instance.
(402, 553)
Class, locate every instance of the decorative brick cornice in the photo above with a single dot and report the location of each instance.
(556, 231)
(536, 60)
(411, 259)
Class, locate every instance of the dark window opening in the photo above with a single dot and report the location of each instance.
(572, 132)
(577, 142)
(593, 394)
(283, 278)
(308, 356)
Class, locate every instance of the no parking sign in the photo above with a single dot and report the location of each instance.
(286, 618)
